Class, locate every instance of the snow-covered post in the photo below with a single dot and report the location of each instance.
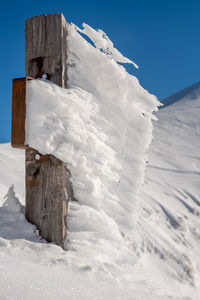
(48, 186)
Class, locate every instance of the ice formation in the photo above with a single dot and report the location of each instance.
(163, 260)
(101, 127)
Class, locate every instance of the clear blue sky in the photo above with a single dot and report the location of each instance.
(162, 37)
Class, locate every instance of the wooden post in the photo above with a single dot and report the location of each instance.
(45, 48)
(48, 187)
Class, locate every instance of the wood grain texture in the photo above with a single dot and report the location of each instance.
(48, 190)
(45, 47)
(48, 187)
(18, 112)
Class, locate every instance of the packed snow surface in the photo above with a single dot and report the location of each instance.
(101, 127)
(164, 245)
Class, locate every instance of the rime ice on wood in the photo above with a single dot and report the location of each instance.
(48, 186)
(101, 126)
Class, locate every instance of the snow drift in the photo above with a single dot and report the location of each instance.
(164, 245)
(122, 244)
(101, 127)
(11, 173)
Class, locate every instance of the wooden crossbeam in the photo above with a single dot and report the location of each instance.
(18, 113)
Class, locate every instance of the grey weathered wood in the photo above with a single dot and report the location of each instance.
(48, 186)
(48, 190)
(45, 47)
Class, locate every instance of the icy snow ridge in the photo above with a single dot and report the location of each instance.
(103, 43)
(101, 127)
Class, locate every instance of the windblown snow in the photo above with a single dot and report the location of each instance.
(101, 127)
(125, 241)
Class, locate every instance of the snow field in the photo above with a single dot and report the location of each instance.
(125, 241)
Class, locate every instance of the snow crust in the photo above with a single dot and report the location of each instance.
(101, 127)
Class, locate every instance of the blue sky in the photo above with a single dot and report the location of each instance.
(162, 37)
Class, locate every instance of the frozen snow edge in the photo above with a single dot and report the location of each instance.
(103, 43)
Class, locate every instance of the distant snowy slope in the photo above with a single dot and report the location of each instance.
(169, 218)
(189, 92)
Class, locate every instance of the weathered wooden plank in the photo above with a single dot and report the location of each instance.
(45, 47)
(48, 191)
(18, 112)
(48, 187)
